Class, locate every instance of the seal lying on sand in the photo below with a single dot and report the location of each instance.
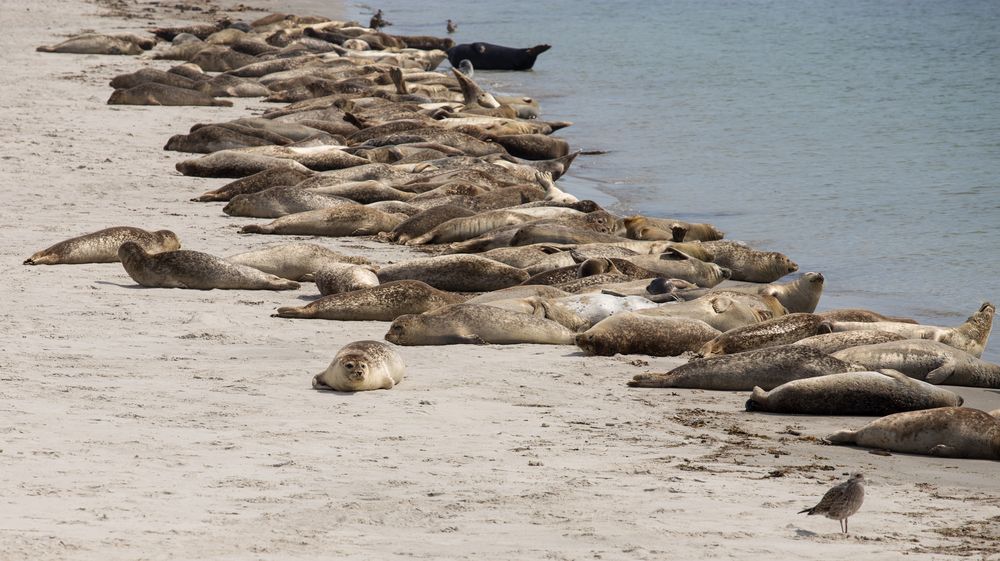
(360, 366)
(932, 361)
(457, 273)
(102, 246)
(384, 302)
(335, 278)
(782, 330)
(476, 324)
(631, 333)
(767, 368)
(852, 393)
(153, 93)
(970, 337)
(293, 261)
(193, 269)
(950, 432)
(345, 220)
(485, 56)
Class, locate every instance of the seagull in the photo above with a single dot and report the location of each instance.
(377, 21)
(452, 26)
(841, 501)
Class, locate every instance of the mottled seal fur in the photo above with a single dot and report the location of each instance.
(778, 331)
(345, 220)
(767, 368)
(276, 202)
(852, 393)
(832, 342)
(102, 246)
(748, 264)
(950, 432)
(195, 270)
(935, 362)
(384, 302)
(335, 278)
(632, 333)
(476, 324)
(360, 366)
(458, 273)
(721, 312)
(153, 93)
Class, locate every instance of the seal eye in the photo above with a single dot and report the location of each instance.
(349, 365)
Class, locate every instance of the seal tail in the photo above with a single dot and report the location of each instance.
(255, 229)
(290, 312)
(649, 380)
(283, 284)
(843, 437)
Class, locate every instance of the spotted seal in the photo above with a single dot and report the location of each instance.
(360, 366)
(102, 246)
(194, 270)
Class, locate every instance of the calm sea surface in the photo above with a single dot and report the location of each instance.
(859, 137)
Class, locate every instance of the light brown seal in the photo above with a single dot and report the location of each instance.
(360, 366)
(767, 368)
(293, 261)
(384, 302)
(677, 264)
(94, 44)
(721, 312)
(102, 246)
(770, 333)
(937, 363)
(970, 336)
(195, 270)
(476, 324)
(950, 432)
(346, 220)
(456, 273)
(852, 393)
(748, 264)
(631, 333)
(153, 93)
(280, 201)
(857, 314)
(832, 342)
(335, 278)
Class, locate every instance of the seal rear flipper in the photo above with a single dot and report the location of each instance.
(941, 373)
(288, 312)
(649, 380)
(842, 437)
(464, 340)
(758, 400)
(942, 450)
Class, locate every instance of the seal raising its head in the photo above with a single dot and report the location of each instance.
(362, 365)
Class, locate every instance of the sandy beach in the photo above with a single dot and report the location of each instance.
(179, 424)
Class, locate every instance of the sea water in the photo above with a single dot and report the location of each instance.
(859, 137)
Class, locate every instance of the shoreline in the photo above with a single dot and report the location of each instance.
(166, 424)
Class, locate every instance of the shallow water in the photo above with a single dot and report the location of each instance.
(860, 137)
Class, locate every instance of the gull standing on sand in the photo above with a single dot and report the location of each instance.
(841, 501)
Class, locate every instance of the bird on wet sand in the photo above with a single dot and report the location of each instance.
(452, 26)
(841, 501)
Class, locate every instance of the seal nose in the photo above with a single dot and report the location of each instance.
(726, 273)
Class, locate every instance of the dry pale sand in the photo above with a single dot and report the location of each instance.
(170, 424)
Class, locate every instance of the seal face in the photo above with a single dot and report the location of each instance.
(360, 366)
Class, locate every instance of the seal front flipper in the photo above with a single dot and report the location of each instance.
(465, 340)
(942, 450)
(941, 373)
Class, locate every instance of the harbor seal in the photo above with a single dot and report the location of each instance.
(456, 273)
(94, 44)
(799, 296)
(970, 337)
(384, 302)
(721, 312)
(632, 333)
(425, 221)
(293, 261)
(486, 56)
(832, 342)
(649, 228)
(476, 324)
(937, 363)
(777, 331)
(679, 265)
(949, 432)
(852, 393)
(235, 164)
(344, 220)
(102, 246)
(518, 291)
(280, 201)
(748, 264)
(857, 314)
(595, 307)
(335, 278)
(360, 366)
(194, 270)
(256, 182)
(767, 368)
(154, 93)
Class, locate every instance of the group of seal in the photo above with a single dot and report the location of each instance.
(374, 142)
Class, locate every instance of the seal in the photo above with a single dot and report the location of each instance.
(857, 314)
(679, 265)
(649, 228)
(456, 273)
(255, 183)
(632, 333)
(467, 227)
(543, 308)
(102, 246)
(343, 220)
(799, 296)
(852, 393)
(360, 366)
(748, 264)
(770, 333)
(364, 192)
(335, 278)
(949, 432)
(767, 368)
(94, 44)
(518, 291)
(235, 164)
(293, 261)
(935, 362)
(970, 337)
(597, 307)
(721, 312)
(276, 202)
(153, 93)
(425, 221)
(384, 302)
(476, 324)
(486, 56)
(832, 342)
(195, 270)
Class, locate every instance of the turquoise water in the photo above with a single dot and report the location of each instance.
(861, 138)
